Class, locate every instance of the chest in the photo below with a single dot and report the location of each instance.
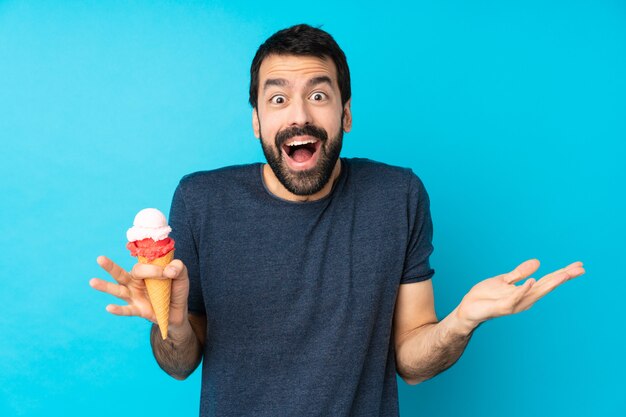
(287, 275)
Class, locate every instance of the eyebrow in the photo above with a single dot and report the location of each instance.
(281, 82)
(319, 80)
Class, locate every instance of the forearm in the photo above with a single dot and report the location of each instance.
(432, 348)
(180, 353)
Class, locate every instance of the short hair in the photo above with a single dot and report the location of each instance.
(303, 40)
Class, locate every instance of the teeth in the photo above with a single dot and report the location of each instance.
(300, 142)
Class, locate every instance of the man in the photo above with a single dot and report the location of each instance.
(304, 283)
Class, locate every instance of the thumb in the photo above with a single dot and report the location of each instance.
(522, 271)
(175, 269)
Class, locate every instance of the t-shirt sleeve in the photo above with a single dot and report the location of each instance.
(186, 248)
(416, 264)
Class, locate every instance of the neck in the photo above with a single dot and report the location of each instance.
(278, 189)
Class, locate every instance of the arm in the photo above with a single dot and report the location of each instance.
(431, 349)
(425, 347)
(180, 354)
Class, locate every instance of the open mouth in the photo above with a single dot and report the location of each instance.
(302, 151)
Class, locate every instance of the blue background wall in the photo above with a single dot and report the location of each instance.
(512, 113)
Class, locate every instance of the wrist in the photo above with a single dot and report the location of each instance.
(460, 324)
(178, 319)
(179, 332)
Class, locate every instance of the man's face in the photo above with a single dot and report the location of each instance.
(300, 120)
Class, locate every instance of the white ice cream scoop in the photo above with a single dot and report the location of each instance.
(149, 223)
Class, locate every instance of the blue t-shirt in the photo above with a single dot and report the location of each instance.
(299, 296)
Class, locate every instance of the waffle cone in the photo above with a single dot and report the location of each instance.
(159, 291)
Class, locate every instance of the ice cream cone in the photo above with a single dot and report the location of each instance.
(159, 291)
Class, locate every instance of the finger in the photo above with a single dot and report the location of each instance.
(143, 271)
(540, 291)
(109, 288)
(574, 272)
(510, 304)
(558, 278)
(523, 270)
(176, 269)
(522, 290)
(121, 310)
(116, 272)
(128, 311)
(564, 274)
(570, 266)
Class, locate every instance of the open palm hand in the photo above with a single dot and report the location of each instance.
(499, 296)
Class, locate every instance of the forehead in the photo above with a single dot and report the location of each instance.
(296, 66)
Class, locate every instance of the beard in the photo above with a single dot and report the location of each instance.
(310, 181)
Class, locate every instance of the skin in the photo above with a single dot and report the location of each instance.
(181, 352)
(295, 103)
(424, 346)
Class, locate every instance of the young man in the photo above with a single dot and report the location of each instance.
(304, 283)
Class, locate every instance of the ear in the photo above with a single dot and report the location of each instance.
(347, 116)
(255, 123)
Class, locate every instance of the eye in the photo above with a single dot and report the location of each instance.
(278, 99)
(318, 96)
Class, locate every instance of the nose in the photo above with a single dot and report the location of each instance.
(300, 114)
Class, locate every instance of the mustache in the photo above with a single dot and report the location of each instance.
(306, 130)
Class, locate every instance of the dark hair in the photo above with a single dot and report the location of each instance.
(301, 40)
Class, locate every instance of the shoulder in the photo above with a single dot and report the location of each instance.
(202, 185)
(367, 172)
(199, 180)
(228, 173)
